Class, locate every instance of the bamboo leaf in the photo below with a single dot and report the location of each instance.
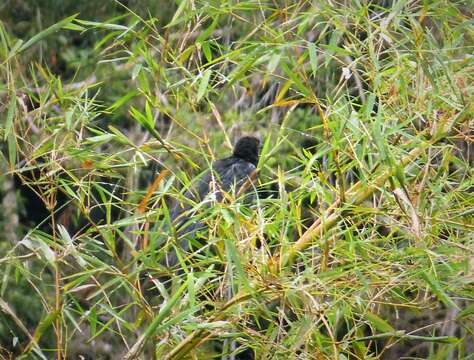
(43, 34)
(379, 323)
(313, 58)
(437, 289)
(12, 150)
(203, 84)
(208, 31)
(10, 116)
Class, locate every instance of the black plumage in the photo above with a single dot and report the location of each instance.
(226, 175)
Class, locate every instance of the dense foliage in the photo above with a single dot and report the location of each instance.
(357, 240)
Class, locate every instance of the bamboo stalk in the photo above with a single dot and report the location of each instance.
(200, 335)
(354, 196)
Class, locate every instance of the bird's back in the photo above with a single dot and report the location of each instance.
(226, 175)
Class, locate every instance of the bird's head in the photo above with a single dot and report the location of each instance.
(247, 148)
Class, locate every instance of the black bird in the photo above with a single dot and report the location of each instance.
(225, 175)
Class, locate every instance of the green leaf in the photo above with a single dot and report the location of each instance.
(165, 311)
(191, 289)
(466, 312)
(273, 63)
(93, 320)
(186, 53)
(102, 25)
(52, 29)
(266, 148)
(202, 89)
(379, 323)
(313, 58)
(45, 324)
(71, 247)
(241, 69)
(119, 136)
(435, 339)
(437, 289)
(297, 81)
(14, 49)
(137, 115)
(10, 116)
(178, 12)
(4, 42)
(233, 257)
(149, 115)
(100, 138)
(208, 31)
(227, 215)
(123, 100)
(155, 323)
(207, 51)
(136, 71)
(179, 17)
(12, 149)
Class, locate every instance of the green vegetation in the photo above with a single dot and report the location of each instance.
(359, 240)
